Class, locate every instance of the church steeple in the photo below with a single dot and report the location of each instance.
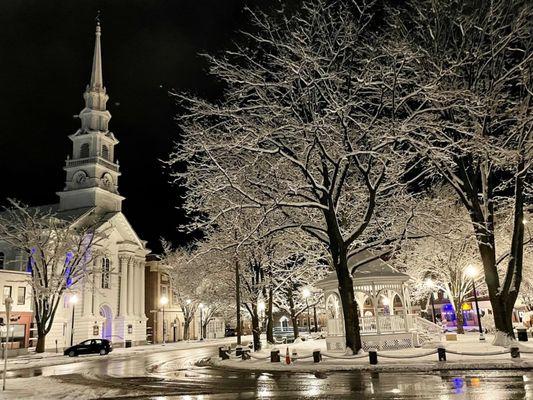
(92, 174)
(97, 81)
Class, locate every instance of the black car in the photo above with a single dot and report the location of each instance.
(90, 346)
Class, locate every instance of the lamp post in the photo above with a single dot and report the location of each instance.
(201, 306)
(472, 272)
(163, 301)
(429, 283)
(8, 301)
(306, 293)
(72, 300)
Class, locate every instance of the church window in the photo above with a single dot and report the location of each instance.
(105, 152)
(84, 150)
(2, 260)
(106, 275)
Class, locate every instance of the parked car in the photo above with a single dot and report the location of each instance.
(90, 346)
(230, 332)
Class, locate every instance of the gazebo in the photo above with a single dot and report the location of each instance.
(385, 314)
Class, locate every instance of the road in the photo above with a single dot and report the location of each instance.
(174, 374)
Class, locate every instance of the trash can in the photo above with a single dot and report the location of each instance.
(522, 334)
(127, 343)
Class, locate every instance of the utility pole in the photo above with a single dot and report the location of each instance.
(8, 301)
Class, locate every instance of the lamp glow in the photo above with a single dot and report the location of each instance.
(471, 271)
(73, 299)
(163, 301)
(306, 292)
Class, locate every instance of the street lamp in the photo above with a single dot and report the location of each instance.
(72, 300)
(431, 285)
(201, 306)
(306, 293)
(472, 272)
(163, 301)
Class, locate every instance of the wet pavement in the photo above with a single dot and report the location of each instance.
(176, 374)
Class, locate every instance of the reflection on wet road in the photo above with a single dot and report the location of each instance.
(173, 374)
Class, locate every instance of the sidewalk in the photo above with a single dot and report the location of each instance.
(406, 360)
(46, 359)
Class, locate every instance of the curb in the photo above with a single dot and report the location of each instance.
(433, 366)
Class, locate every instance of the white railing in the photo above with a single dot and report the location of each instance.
(422, 324)
(387, 323)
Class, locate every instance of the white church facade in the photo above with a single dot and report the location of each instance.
(110, 303)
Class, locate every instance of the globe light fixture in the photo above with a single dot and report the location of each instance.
(471, 271)
(430, 284)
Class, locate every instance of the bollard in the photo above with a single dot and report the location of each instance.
(246, 354)
(274, 355)
(515, 352)
(238, 351)
(223, 353)
(441, 351)
(373, 356)
(317, 357)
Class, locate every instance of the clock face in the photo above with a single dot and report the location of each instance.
(107, 180)
(80, 177)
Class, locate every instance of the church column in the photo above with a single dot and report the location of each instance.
(143, 272)
(139, 288)
(130, 286)
(123, 286)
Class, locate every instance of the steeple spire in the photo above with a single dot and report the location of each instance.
(97, 82)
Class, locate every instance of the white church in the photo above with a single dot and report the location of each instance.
(112, 306)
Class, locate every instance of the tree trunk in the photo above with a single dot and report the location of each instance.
(459, 318)
(238, 300)
(186, 330)
(349, 305)
(41, 341)
(294, 319)
(270, 316)
(256, 331)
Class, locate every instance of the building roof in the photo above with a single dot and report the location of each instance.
(376, 269)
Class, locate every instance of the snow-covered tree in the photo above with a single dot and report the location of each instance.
(300, 133)
(470, 117)
(60, 254)
(440, 261)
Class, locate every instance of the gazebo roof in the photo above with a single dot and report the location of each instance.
(376, 270)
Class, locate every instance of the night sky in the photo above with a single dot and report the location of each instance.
(149, 47)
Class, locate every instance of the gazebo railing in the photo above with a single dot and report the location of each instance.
(367, 325)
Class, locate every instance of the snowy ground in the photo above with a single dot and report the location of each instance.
(466, 343)
(38, 388)
(34, 360)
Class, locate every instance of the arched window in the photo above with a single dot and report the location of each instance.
(2, 260)
(105, 152)
(106, 275)
(84, 150)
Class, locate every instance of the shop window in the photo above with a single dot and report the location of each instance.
(21, 295)
(6, 293)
